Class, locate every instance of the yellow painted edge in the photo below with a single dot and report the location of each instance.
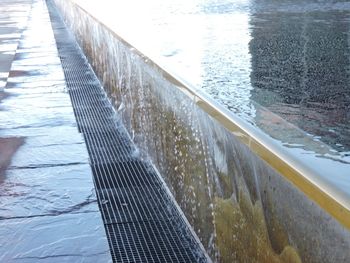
(323, 199)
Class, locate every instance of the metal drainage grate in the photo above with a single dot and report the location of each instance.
(138, 246)
(128, 207)
(109, 147)
(142, 222)
(123, 175)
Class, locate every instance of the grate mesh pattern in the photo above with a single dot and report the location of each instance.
(109, 146)
(142, 222)
(137, 247)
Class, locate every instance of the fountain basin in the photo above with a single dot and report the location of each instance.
(248, 198)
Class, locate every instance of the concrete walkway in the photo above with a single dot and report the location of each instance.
(48, 208)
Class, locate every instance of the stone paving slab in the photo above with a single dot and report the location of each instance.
(48, 206)
(48, 239)
(36, 193)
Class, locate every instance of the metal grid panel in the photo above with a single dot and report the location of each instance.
(129, 207)
(123, 174)
(142, 222)
(136, 240)
(109, 147)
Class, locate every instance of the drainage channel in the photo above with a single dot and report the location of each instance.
(142, 222)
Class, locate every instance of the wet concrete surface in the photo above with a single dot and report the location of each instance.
(48, 207)
(13, 17)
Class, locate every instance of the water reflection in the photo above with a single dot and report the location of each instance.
(292, 58)
(300, 66)
(226, 58)
(8, 147)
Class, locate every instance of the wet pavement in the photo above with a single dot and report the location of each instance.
(48, 207)
(13, 17)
